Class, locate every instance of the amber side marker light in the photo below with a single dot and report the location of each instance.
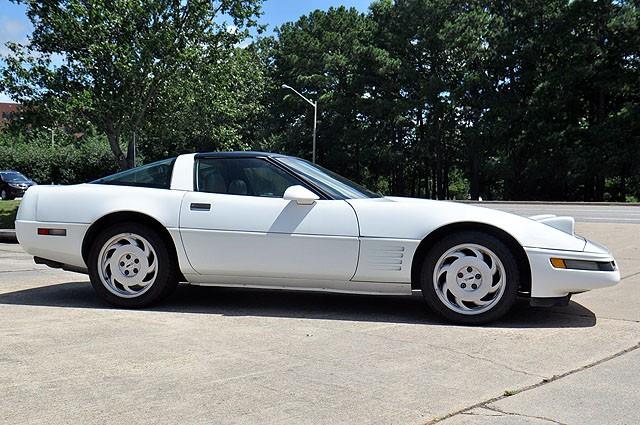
(602, 266)
(52, 232)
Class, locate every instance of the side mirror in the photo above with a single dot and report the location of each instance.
(300, 194)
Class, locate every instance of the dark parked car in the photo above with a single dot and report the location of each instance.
(13, 184)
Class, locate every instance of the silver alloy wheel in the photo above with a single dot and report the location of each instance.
(3, 195)
(127, 265)
(469, 279)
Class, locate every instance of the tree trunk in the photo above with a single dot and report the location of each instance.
(622, 196)
(475, 177)
(599, 193)
(131, 157)
(114, 143)
(445, 176)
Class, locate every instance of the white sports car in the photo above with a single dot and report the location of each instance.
(250, 219)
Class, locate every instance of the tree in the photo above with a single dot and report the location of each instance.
(221, 109)
(321, 55)
(112, 62)
(511, 98)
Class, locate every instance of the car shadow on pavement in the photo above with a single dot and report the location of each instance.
(293, 304)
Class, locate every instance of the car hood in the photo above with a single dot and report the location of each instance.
(413, 218)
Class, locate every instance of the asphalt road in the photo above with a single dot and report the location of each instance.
(586, 213)
(227, 356)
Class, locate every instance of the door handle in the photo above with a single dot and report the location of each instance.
(200, 207)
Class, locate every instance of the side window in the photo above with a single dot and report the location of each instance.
(242, 176)
(156, 175)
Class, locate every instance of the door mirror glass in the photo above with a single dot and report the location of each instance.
(300, 194)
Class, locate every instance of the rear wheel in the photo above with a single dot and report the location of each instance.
(131, 266)
(470, 278)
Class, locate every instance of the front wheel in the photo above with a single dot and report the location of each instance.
(470, 278)
(5, 195)
(130, 266)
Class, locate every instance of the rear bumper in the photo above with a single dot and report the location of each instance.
(57, 265)
(59, 249)
(550, 282)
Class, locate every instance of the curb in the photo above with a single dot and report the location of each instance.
(8, 236)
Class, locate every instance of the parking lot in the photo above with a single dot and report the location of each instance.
(214, 355)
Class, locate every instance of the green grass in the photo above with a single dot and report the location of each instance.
(8, 210)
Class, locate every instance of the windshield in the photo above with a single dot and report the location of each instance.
(13, 176)
(334, 184)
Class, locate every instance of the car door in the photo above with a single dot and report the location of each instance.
(236, 223)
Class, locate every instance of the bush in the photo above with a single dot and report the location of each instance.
(458, 185)
(69, 161)
(8, 211)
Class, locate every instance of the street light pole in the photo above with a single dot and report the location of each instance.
(134, 150)
(315, 118)
(315, 124)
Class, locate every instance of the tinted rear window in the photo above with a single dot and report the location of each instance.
(155, 175)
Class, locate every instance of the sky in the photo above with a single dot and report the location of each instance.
(14, 25)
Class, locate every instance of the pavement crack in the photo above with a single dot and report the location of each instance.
(463, 353)
(621, 320)
(630, 275)
(513, 369)
(600, 317)
(496, 414)
(19, 270)
(541, 418)
(485, 404)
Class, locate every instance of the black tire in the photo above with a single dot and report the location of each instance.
(511, 277)
(166, 278)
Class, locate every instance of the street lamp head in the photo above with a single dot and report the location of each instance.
(315, 115)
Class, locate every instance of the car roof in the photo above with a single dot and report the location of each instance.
(239, 154)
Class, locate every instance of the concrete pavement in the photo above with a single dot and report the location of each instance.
(586, 395)
(212, 355)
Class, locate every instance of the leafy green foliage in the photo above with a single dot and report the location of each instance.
(116, 63)
(502, 99)
(528, 100)
(8, 211)
(69, 160)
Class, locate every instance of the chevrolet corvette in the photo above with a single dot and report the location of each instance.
(261, 220)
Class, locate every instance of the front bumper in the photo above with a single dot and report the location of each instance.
(16, 192)
(550, 282)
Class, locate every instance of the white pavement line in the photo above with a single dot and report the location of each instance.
(610, 218)
(553, 208)
(573, 212)
(483, 404)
